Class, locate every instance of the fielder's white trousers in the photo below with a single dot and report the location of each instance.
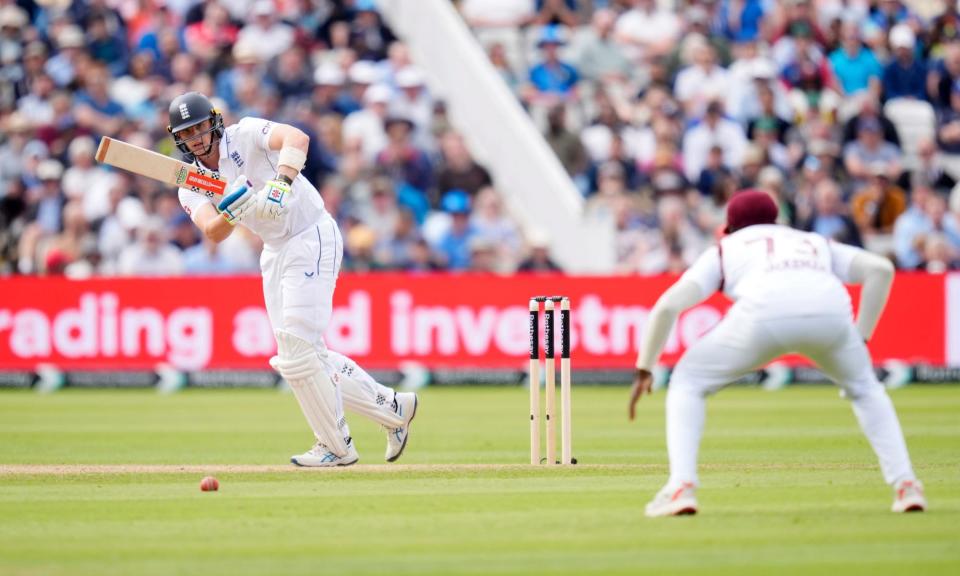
(742, 342)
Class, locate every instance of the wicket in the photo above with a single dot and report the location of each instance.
(549, 307)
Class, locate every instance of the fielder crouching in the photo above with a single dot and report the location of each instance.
(789, 297)
(302, 254)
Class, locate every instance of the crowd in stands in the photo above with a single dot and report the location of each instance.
(847, 111)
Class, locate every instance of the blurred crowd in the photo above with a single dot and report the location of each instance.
(847, 111)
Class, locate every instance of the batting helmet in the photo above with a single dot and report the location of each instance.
(189, 110)
(749, 207)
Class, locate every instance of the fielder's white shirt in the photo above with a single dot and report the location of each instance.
(244, 150)
(777, 271)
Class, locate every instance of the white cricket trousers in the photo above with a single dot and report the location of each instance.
(299, 278)
(742, 342)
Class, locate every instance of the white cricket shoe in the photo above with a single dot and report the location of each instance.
(397, 437)
(321, 457)
(673, 500)
(909, 497)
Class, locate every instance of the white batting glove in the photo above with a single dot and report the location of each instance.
(272, 200)
(238, 202)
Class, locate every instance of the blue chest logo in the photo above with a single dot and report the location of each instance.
(235, 156)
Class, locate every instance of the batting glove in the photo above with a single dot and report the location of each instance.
(239, 202)
(272, 200)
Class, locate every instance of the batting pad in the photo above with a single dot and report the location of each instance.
(297, 361)
(362, 394)
(360, 398)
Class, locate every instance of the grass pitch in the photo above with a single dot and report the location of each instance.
(95, 482)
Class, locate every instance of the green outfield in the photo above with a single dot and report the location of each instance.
(106, 482)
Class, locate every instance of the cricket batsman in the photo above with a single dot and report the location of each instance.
(302, 254)
(789, 297)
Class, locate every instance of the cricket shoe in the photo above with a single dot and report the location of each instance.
(321, 457)
(909, 497)
(673, 500)
(397, 437)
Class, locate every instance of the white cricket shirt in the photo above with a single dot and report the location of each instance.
(772, 269)
(244, 150)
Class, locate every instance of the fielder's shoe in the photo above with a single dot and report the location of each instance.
(909, 497)
(397, 437)
(321, 457)
(674, 500)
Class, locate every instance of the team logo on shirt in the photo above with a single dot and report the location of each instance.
(235, 156)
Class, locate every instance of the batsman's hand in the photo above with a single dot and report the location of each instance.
(272, 200)
(642, 384)
(238, 202)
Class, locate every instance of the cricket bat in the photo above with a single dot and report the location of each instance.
(159, 167)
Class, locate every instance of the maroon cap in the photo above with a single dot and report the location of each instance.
(749, 207)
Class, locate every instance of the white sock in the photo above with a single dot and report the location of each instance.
(686, 412)
(879, 423)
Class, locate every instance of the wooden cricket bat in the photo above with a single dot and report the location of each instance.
(159, 167)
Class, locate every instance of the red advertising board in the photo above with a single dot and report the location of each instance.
(380, 320)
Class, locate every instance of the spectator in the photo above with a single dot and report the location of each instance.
(648, 30)
(869, 152)
(106, 45)
(457, 168)
(943, 75)
(85, 181)
(95, 110)
(363, 130)
(714, 174)
(767, 113)
(929, 169)
(888, 13)
(855, 66)
(290, 75)
(454, 246)
(395, 250)
(328, 96)
(359, 254)
(552, 80)
(271, 37)
(948, 123)
(491, 224)
(870, 110)
(713, 130)
(555, 12)
(944, 29)
(413, 101)
(207, 38)
(369, 37)
(878, 204)
(625, 167)
(938, 255)
(497, 55)
(600, 58)
(564, 142)
(150, 255)
(913, 224)
(400, 159)
(829, 218)
(71, 51)
(538, 260)
(701, 82)
(422, 258)
(741, 20)
(905, 76)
